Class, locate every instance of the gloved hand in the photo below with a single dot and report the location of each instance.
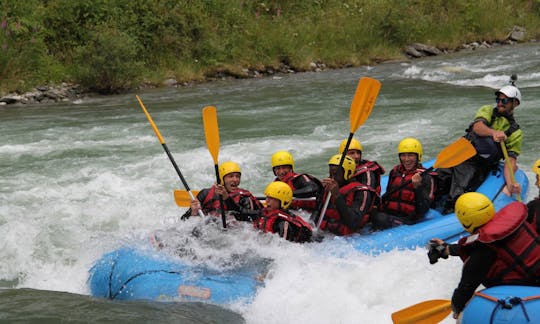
(436, 251)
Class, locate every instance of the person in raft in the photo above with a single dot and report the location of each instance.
(275, 217)
(410, 192)
(350, 202)
(533, 206)
(237, 202)
(503, 248)
(492, 128)
(304, 186)
(367, 172)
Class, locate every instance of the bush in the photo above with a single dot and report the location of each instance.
(108, 63)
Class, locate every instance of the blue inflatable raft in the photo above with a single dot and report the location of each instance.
(129, 273)
(446, 227)
(504, 304)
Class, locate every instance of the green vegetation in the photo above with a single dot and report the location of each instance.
(114, 45)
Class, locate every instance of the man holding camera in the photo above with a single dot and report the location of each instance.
(503, 248)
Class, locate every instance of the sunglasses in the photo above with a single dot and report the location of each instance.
(503, 100)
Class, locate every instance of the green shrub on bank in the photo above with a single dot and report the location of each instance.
(112, 45)
(108, 62)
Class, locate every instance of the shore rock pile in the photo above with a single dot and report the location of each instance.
(44, 94)
(418, 50)
(72, 92)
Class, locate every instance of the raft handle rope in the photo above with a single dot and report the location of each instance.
(508, 303)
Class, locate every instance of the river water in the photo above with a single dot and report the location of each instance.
(80, 179)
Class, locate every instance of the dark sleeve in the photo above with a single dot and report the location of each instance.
(306, 186)
(532, 206)
(387, 191)
(424, 195)
(245, 210)
(474, 272)
(453, 249)
(352, 216)
(201, 196)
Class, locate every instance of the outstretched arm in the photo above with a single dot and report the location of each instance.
(306, 187)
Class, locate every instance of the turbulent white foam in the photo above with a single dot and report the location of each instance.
(77, 182)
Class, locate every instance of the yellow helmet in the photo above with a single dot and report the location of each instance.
(473, 210)
(226, 168)
(410, 145)
(280, 191)
(355, 145)
(282, 158)
(536, 167)
(348, 165)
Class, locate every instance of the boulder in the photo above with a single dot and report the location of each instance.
(517, 34)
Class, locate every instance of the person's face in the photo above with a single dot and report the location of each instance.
(272, 203)
(408, 160)
(356, 155)
(505, 105)
(282, 170)
(231, 181)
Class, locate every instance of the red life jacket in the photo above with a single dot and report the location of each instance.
(516, 243)
(366, 170)
(332, 219)
(401, 202)
(268, 221)
(211, 201)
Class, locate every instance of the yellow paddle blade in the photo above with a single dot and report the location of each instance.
(428, 312)
(363, 101)
(211, 131)
(182, 197)
(455, 153)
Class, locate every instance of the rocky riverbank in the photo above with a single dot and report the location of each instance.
(72, 92)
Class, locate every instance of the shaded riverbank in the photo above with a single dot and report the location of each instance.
(73, 92)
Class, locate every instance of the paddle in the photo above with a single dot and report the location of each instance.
(183, 199)
(361, 106)
(427, 312)
(162, 141)
(211, 133)
(510, 168)
(450, 156)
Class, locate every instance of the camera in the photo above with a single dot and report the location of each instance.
(436, 251)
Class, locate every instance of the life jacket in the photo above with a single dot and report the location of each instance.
(485, 146)
(332, 219)
(290, 179)
(516, 243)
(211, 201)
(365, 170)
(269, 220)
(401, 202)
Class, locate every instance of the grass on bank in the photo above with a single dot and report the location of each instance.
(113, 45)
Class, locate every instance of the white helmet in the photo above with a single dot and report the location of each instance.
(510, 91)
